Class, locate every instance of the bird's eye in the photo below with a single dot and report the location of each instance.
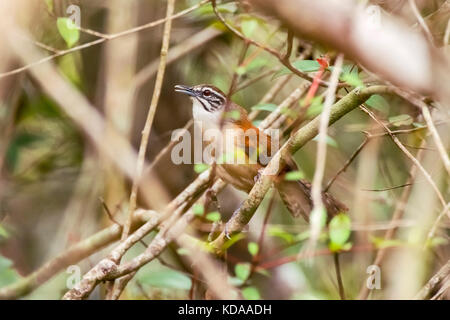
(207, 93)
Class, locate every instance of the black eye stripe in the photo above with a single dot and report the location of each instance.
(203, 104)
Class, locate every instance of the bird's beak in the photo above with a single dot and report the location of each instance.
(185, 89)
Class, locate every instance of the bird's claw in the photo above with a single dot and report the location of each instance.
(258, 175)
(226, 231)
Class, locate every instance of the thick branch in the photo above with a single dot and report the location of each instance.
(73, 255)
(298, 140)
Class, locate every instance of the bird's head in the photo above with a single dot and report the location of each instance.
(209, 97)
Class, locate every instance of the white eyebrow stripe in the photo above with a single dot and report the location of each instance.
(214, 92)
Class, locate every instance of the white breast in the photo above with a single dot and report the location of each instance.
(209, 120)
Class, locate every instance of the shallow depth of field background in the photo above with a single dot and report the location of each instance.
(53, 179)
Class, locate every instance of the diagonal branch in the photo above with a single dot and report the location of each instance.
(102, 39)
(298, 140)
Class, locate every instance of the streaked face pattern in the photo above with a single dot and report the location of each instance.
(210, 97)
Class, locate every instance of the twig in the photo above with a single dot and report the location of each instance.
(284, 59)
(192, 42)
(419, 103)
(396, 216)
(338, 275)
(389, 188)
(433, 282)
(257, 256)
(169, 146)
(347, 163)
(316, 188)
(106, 269)
(150, 117)
(408, 154)
(436, 223)
(108, 212)
(293, 258)
(295, 142)
(72, 255)
(415, 10)
(437, 139)
(103, 39)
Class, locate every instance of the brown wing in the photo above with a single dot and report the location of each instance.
(254, 142)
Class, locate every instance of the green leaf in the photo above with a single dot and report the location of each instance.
(254, 64)
(166, 278)
(242, 270)
(3, 232)
(294, 175)
(315, 108)
(288, 112)
(329, 140)
(276, 231)
(49, 4)
(234, 238)
(381, 243)
(200, 167)
(256, 123)
(241, 70)
(265, 107)
(5, 263)
(213, 216)
(339, 229)
(198, 209)
(68, 30)
(233, 114)
(377, 102)
(351, 76)
(20, 141)
(183, 251)
(207, 9)
(7, 274)
(248, 26)
(251, 293)
(234, 281)
(401, 120)
(436, 241)
(257, 63)
(302, 65)
(253, 248)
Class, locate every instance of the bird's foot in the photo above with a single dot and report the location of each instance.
(258, 175)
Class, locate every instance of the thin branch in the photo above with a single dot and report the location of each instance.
(409, 155)
(430, 286)
(415, 10)
(72, 255)
(316, 188)
(347, 163)
(389, 188)
(103, 39)
(437, 139)
(150, 117)
(107, 269)
(284, 59)
(419, 103)
(396, 216)
(192, 42)
(338, 275)
(277, 163)
(169, 146)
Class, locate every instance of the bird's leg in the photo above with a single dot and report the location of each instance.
(226, 228)
(258, 175)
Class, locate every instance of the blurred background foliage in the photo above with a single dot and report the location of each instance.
(52, 178)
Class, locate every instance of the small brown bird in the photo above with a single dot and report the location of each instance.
(214, 111)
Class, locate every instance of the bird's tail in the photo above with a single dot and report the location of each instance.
(296, 195)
